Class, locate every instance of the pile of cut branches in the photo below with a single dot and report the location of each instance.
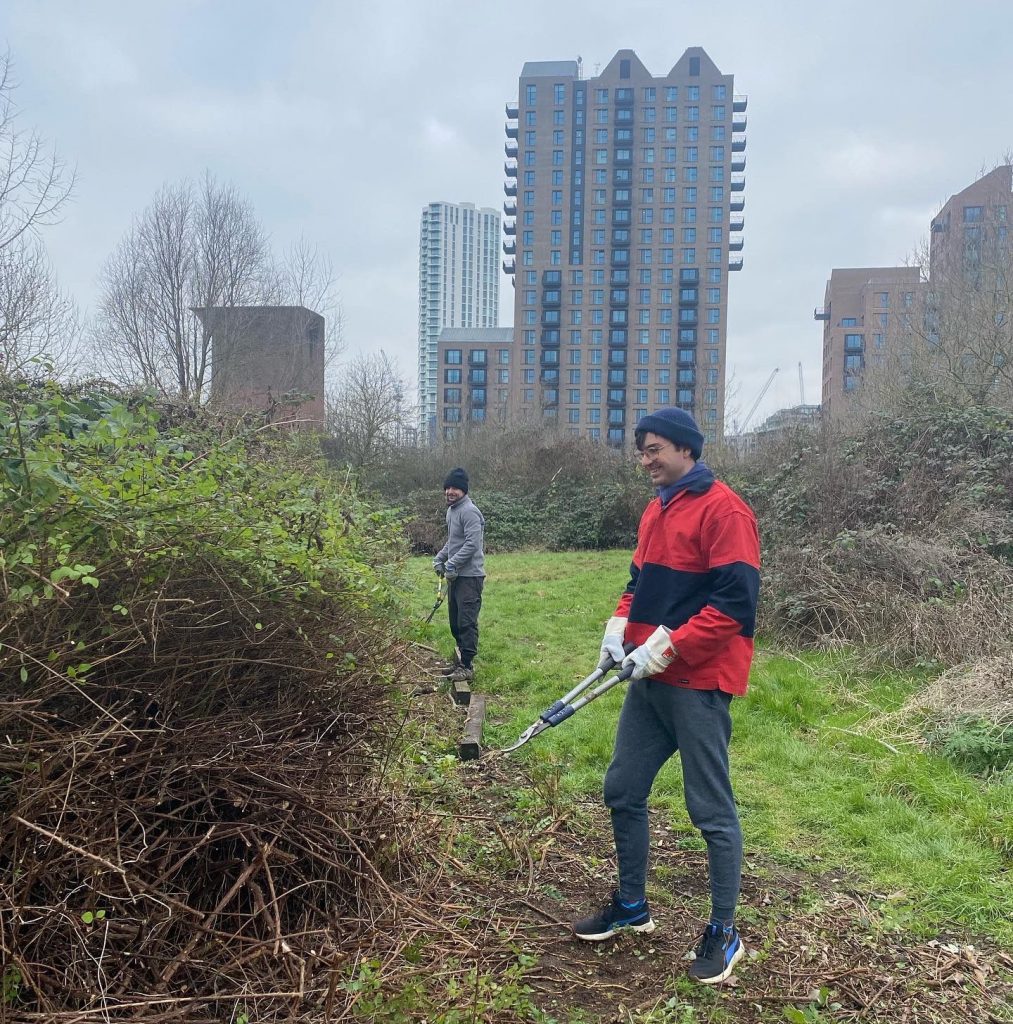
(194, 718)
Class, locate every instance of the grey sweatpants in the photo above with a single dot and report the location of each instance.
(657, 720)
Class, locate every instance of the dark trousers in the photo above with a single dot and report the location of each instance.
(464, 603)
(657, 720)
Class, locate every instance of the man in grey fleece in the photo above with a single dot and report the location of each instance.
(461, 560)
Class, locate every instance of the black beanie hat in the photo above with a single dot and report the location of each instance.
(457, 478)
(677, 425)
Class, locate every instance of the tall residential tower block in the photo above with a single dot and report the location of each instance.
(458, 286)
(624, 206)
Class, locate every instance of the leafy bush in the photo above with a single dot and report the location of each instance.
(192, 696)
(974, 743)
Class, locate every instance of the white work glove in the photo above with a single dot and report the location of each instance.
(612, 652)
(653, 656)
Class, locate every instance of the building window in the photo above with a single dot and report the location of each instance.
(452, 356)
(883, 299)
(531, 95)
(973, 214)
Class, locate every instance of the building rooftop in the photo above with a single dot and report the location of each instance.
(494, 335)
(549, 69)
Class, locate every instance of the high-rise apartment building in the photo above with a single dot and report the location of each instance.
(458, 286)
(625, 199)
(970, 233)
(954, 324)
(864, 309)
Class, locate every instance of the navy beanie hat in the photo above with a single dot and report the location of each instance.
(457, 478)
(675, 424)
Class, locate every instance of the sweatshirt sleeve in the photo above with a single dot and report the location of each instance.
(626, 599)
(732, 547)
(441, 555)
(471, 523)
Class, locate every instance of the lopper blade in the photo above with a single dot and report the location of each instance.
(529, 734)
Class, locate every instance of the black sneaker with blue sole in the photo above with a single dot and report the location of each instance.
(717, 952)
(615, 916)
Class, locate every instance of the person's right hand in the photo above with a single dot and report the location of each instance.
(438, 567)
(612, 652)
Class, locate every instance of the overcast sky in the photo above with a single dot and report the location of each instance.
(340, 121)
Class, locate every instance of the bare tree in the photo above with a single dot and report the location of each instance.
(35, 318)
(196, 246)
(955, 341)
(306, 278)
(366, 414)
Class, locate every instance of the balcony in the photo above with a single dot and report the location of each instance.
(739, 103)
(510, 169)
(735, 263)
(509, 227)
(509, 247)
(736, 224)
(616, 401)
(688, 317)
(513, 110)
(510, 188)
(735, 244)
(821, 313)
(510, 208)
(738, 161)
(509, 266)
(738, 183)
(550, 339)
(625, 98)
(738, 143)
(510, 148)
(738, 122)
(511, 129)
(738, 204)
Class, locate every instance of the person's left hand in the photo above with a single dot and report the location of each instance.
(653, 656)
(450, 572)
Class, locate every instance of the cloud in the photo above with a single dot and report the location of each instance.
(264, 115)
(863, 163)
(439, 134)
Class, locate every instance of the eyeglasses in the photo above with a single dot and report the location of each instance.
(651, 452)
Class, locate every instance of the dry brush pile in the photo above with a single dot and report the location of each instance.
(193, 698)
(898, 540)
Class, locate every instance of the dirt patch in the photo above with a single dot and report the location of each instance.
(527, 863)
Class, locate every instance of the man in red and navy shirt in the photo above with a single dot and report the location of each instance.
(690, 607)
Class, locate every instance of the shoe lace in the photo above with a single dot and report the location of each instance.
(711, 939)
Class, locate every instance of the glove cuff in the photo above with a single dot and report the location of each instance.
(616, 626)
(659, 643)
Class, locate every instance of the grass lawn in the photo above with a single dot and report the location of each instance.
(932, 844)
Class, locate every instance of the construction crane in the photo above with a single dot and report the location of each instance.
(759, 398)
(801, 385)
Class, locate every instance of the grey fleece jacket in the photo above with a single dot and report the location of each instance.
(463, 552)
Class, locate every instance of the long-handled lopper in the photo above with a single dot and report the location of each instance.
(441, 593)
(563, 708)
